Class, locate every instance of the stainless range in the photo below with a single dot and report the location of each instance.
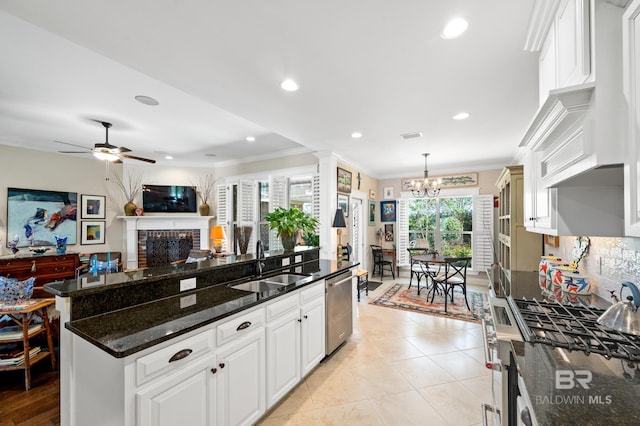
(555, 365)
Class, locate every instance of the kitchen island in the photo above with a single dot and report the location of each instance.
(137, 350)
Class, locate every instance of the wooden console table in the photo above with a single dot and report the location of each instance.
(45, 268)
(23, 315)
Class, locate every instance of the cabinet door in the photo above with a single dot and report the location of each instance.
(187, 398)
(572, 35)
(631, 69)
(538, 200)
(283, 356)
(313, 334)
(241, 380)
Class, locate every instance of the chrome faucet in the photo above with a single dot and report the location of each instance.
(259, 257)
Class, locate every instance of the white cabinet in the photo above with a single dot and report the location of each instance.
(295, 339)
(187, 397)
(565, 53)
(240, 388)
(631, 68)
(313, 332)
(283, 347)
(538, 200)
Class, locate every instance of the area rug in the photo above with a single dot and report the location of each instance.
(400, 296)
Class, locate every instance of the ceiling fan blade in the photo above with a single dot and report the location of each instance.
(133, 157)
(121, 149)
(73, 144)
(74, 152)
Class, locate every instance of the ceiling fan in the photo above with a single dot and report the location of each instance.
(106, 151)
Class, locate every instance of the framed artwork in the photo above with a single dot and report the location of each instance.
(36, 216)
(92, 206)
(92, 232)
(387, 211)
(387, 192)
(372, 194)
(344, 180)
(449, 181)
(388, 232)
(372, 212)
(343, 203)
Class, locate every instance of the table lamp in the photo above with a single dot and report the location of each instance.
(217, 238)
(339, 222)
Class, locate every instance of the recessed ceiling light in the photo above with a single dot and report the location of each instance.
(147, 100)
(461, 116)
(454, 28)
(356, 135)
(210, 155)
(250, 139)
(289, 85)
(412, 135)
(168, 157)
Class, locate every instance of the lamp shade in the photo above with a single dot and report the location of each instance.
(217, 233)
(338, 220)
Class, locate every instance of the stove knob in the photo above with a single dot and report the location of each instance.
(525, 416)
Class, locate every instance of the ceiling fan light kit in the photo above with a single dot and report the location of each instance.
(107, 152)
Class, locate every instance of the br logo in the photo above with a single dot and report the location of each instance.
(570, 379)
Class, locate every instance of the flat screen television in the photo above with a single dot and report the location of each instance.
(168, 199)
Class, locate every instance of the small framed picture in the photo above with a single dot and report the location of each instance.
(343, 203)
(387, 211)
(344, 180)
(372, 194)
(372, 212)
(92, 232)
(388, 232)
(388, 192)
(93, 206)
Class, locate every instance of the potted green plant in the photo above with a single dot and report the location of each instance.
(288, 222)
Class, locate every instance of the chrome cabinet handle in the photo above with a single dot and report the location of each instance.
(180, 355)
(244, 325)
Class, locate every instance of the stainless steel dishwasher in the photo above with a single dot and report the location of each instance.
(339, 317)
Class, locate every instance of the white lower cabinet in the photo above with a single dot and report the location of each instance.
(241, 380)
(295, 339)
(185, 398)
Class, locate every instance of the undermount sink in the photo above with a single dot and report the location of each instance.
(259, 286)
(278, 282)
(285, 279)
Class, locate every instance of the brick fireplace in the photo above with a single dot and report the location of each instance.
(178, 233)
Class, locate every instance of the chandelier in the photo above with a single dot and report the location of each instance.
(426, 187)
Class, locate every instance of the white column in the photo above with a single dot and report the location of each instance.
(327, 169)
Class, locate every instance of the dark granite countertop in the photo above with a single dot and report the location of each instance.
(614, 388)
(126, 331)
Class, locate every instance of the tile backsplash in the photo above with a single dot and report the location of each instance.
(608, 262)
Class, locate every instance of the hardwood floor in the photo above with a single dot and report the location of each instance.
(38, 406)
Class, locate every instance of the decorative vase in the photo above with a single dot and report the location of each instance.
(130, 208)
(288, 241)
(204, 209)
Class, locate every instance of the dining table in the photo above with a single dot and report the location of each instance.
(442, 269)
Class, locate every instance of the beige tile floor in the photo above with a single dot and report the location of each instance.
(398, 368)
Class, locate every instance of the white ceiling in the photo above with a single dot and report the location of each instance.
(372, 66)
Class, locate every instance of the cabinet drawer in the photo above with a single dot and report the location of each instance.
(310, 294)
(183, 353)
(239, 326)
(282, 307)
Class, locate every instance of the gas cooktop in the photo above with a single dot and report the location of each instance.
(573, 328)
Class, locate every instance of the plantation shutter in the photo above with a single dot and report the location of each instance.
(482, 232)
(277, 198)
(315, 199)
(222, 210)
(402, 234)
(247, 194)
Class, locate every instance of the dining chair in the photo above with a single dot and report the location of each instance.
(417, 269)
(380, 262)
(455, 275)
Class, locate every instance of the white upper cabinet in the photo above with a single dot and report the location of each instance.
(631, 69)
(565, 58)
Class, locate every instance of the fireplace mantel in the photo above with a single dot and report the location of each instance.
(150, 223)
